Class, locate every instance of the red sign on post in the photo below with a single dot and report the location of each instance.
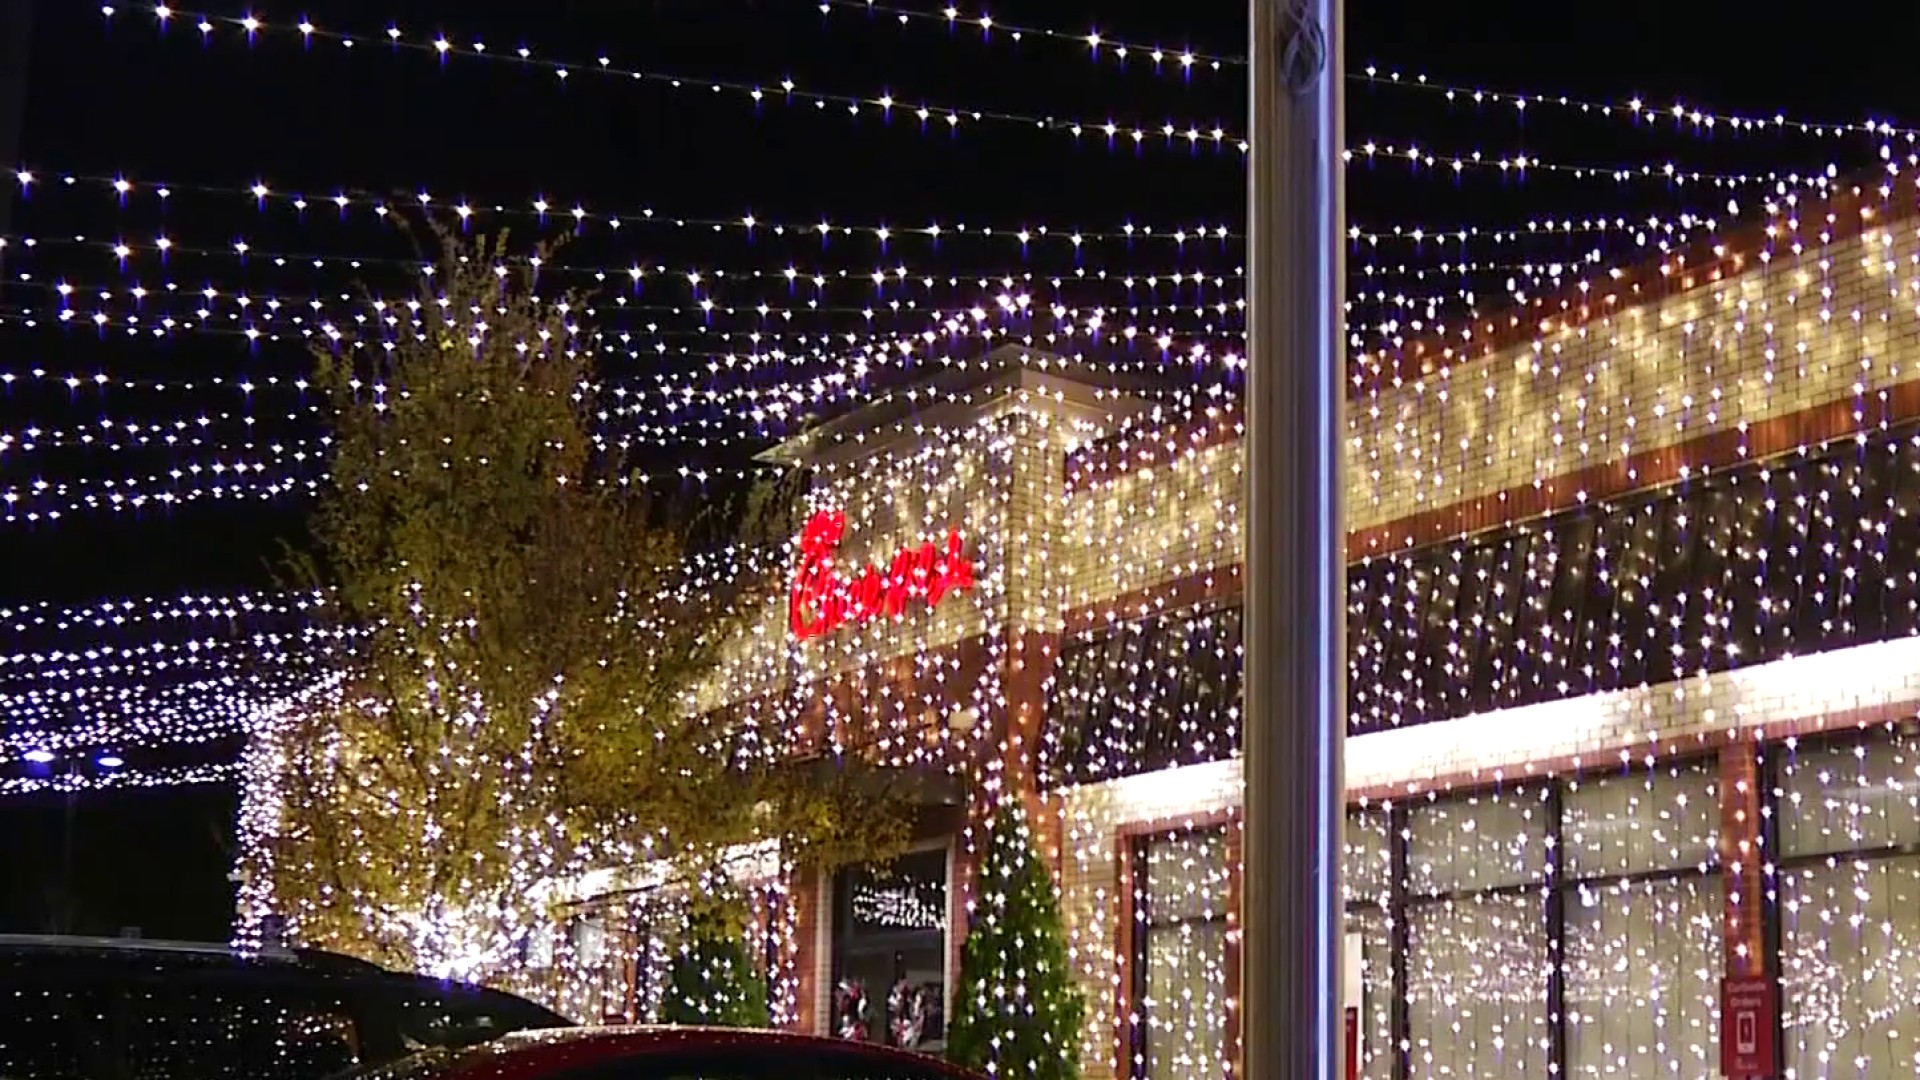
(1746, 1027)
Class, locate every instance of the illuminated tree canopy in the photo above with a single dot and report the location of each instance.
(523, 641)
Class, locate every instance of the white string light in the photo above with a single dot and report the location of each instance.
(117, 779)
(1685, 118)
(1572, 395)
(1101, 46)
(548, 210)
(1182, 135)
(634, 273)
(1094, 44)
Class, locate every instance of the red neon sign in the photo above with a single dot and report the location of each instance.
(821, 601)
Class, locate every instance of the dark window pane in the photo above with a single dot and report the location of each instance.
(1147, 695)
(890, 952)
(207, 1031)
(1566, 672)
(1748, 565)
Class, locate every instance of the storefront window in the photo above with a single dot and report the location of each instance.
(1643, 977)
(1477, 987)
(1479, 842)
(1368, 873)
(1850, 910)
(1560, 607)
(1375, 1041)
(1180, 980)
(1478, 958)
(1149, 695)
(596, 981)
(1368, 869)
(652, 960)
(890, 953)
(1642, 915)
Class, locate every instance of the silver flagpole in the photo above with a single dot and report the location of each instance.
(1292, 1016)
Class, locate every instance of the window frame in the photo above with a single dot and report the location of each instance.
(1140, 926)
(1553, 888)
(1773, 763)
(839, 915)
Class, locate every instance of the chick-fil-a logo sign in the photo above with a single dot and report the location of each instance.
(822, 600)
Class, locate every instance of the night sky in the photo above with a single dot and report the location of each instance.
(212, 115)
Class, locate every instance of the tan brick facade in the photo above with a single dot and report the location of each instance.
(1796, 335)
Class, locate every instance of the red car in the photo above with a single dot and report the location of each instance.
(649, 1053)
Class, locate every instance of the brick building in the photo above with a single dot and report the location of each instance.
(1634, 597)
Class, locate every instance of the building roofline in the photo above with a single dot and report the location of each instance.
(1870, 199)
(955, 395)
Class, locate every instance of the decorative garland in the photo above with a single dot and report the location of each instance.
(850, 1012)
(907, 1009)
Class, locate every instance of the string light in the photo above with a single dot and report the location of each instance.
(1024, 235)
(1094, 45)
(1181, 62)
(256, 314)
(546, 209)
(1000, 299)
(1595, 544)
(701, 280)
(1684, 117)
(50, 501)
(1518, 165)
(1182, 135)
(110, 780)
(109, 435)
(1675, 228)
(291, 472)
(45, 616)
(266, 319)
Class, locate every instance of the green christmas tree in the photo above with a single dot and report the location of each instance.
(1018, 1012)
(713, 980)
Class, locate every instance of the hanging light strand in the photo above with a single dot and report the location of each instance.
(1182, 135)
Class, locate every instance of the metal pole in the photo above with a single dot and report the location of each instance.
(1295, 707)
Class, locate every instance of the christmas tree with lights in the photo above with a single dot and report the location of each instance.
(1018, 1012)
(713, 981)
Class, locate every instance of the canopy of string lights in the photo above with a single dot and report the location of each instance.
(976, 277)
(160, 307)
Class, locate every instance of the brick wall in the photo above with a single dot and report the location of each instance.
(1091, 886)
(1150, 526)
(1830, 324)
(1803, 328)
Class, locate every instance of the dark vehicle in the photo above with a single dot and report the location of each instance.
(641, 1053)
(97, 1009)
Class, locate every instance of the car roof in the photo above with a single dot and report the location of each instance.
(63, 952)
(30, 946)
(534, 1054)
(31, 943)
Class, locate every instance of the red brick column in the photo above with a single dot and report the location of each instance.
(806, 961)
(1236, 854)
(1030, 658)
(1026, 668)
(1124, 930)
(966, 869)
(1741, 858)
